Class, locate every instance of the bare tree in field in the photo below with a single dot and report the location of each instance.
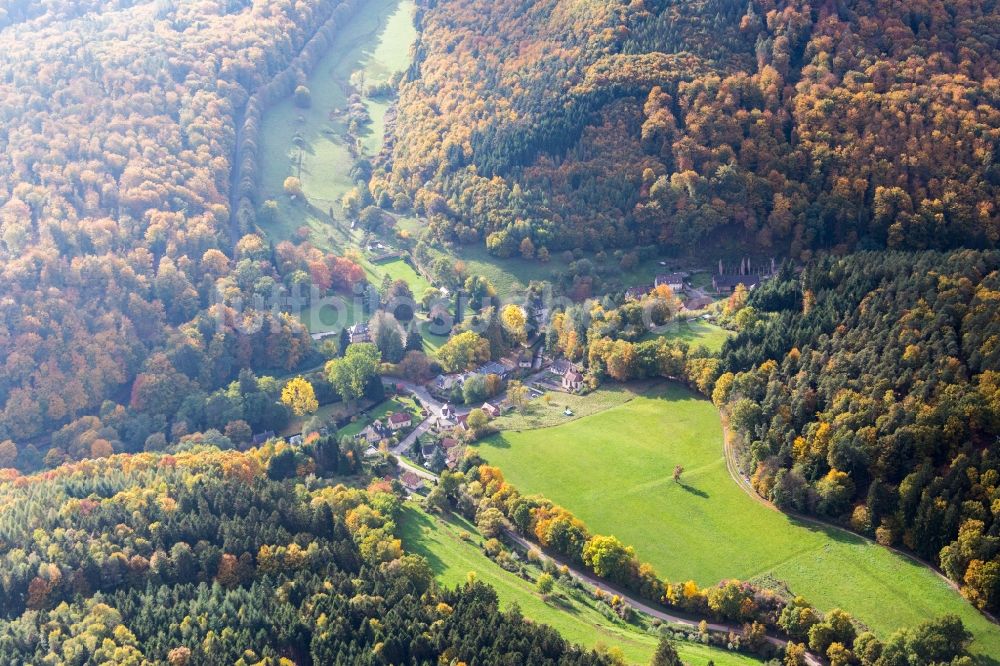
(678, 470)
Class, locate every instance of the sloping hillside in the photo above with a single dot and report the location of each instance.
(781, 126)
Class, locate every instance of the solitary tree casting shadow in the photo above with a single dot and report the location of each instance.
(693, 490)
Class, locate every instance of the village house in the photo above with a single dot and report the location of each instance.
(323, 334)
(261, 438)
(726, 282)
(636, 293)
(445, 383)
(427, 450)
(446, 420)
(452, 451)
(561, 366)
(358, 333)
(673, 280)
(537, 311)
(399, 420)
(491, 410)
(380, 252)
(493, 368)
(572, 380)
(375, 433)
(411, 481)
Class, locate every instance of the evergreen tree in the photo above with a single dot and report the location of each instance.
(666, 654)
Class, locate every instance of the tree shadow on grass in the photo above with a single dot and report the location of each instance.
(412, 525)
(562, 603)
(497, 441)
(832, 532)
(694, 491)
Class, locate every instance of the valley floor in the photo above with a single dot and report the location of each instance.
(452, 546)
(619, 463)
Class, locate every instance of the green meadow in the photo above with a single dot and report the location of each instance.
(613, 469)
(311, 143)
(452, 547)
(550, 408)
(695, 332)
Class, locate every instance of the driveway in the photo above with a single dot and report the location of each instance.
(428, 401)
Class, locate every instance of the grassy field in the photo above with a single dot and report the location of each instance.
(544, 412)
(397, 269)
(311, 144)
(391, 55)
(696, 332)
(451, 546)
(509, 276)
(432, 341)
(375, 41)
(332, 314)
(618, 463)
(329, 412)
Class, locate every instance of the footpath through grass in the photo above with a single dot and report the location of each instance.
(452, 547)
(613, 469)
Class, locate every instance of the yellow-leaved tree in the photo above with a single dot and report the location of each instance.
(299, 396)
(514, 321)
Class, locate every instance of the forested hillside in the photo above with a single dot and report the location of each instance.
(776, 126)
(117, 137)
(867, 390)
(211, 557)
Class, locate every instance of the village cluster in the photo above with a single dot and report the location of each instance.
(433, 430)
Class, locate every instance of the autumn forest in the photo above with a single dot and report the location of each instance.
(523, 214)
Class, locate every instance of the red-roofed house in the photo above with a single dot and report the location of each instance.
(411, 481)
(453, 455)
(572, 380)
(398, 420)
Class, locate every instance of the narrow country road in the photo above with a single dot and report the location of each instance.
(405, 443)
(604, 585)
(433, 406)
(637, 604)
(407, 466)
